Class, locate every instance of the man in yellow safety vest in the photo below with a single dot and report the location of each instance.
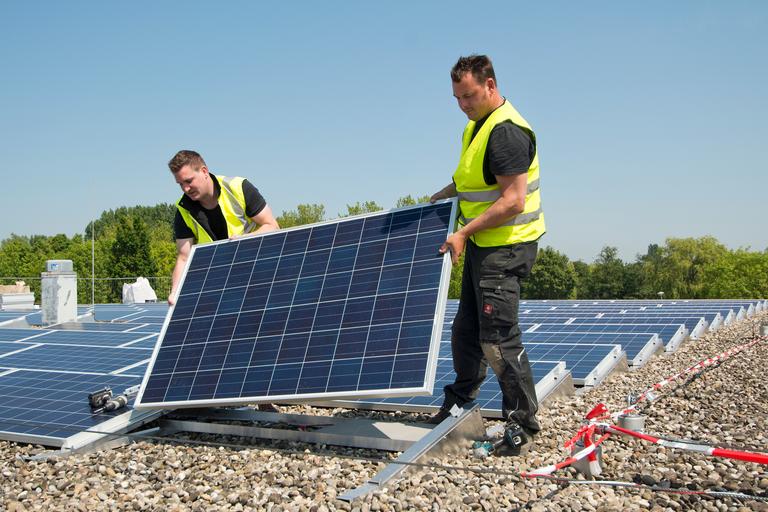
(212, 208)
(500, 222)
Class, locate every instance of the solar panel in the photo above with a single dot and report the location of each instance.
(149, 319)
(36, 318)
(639, 347)
(93, 338)
(49, 407)
(350, 307)
(68, 358)
(547, 375)
(6, 347)
(21, 334)
(669, 334)
(588, 364)
(128, 312)
(10, 316)
(108, 327)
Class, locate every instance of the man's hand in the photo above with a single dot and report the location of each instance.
(172, 299)
(455, 243)
(436, 197)
(446, 192)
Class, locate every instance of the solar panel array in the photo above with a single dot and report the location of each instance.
(589, 340)
(47, 374)
(350, 307)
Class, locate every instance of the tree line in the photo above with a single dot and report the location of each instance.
(138, 241)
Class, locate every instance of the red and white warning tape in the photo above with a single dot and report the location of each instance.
(595, 424)
(649, 394)
(757, 457)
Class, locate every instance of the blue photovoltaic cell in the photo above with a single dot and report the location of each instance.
(22, 334)
(53, 404)
(489, 396)
(134, 371)
(73, 358)
(146, 319)
(36, 318)
(581, 360)
(148, 343)
(145, 328)
(690, 322)
(9, 346)
(128, 313)
(664, 331)
(343, 308)
(632, 343)
(6, 316)
(94, 338)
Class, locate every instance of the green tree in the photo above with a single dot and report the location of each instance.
(131, 252)
(632, 282)
(359, 208)
(454, 286)
(581, 272)
(739, 275)
(303, 214)
(676, 268)
(552, 277)
(410, 201)
(158, 218)
(606, 276)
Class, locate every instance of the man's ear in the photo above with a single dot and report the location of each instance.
(204, 170)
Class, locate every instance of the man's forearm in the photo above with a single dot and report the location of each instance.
(178, 269)
(266, 228)
(497, 214)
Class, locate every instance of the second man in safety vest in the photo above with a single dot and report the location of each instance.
(497, 183)
(212, 208)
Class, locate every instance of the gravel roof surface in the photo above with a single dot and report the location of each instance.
(726, 406)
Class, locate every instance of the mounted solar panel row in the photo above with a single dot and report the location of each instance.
(549, 377)
(146, 328)
(670, 335)
(351, 307)
(588, 364)
(51, 408)
(36, 318)
(130, 313)
(639, 347)
(67, 358)
(46, 375)
(93, 338)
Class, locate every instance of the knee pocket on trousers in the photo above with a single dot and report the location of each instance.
(498, 312)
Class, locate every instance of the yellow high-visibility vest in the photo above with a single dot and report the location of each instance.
(232, 203)
(475, 195)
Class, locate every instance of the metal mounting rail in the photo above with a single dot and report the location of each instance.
(454, 434)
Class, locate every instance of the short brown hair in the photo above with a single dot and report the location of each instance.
(186, 157)
(479, 65)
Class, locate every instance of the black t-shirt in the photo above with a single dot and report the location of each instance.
(213, 220)
(510, 150)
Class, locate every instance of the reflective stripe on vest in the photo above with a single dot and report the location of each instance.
(492, 195)
(476, 196)
(232, 203)
(517, 220)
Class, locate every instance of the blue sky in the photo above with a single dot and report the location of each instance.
(650, 116)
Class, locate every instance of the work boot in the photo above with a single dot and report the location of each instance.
(438, 417)
(267, 408)
(516, 441)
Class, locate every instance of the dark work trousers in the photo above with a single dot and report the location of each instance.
(486, 331)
